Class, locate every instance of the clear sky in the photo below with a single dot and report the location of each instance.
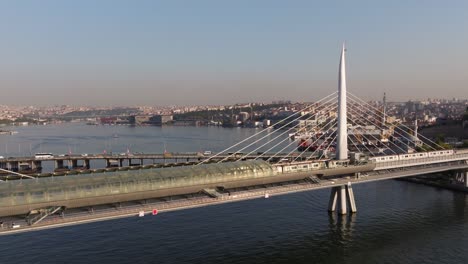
(110, 52)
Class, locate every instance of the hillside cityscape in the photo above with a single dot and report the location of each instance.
(441, 119)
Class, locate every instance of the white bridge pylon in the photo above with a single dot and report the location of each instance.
(342, 144)
(329, 128)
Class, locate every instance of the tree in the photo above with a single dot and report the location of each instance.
(465, 144)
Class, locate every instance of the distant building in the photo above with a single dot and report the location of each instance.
(108, 120)
(161, 119)
(139, 120)
(244, 116)
(307, 124)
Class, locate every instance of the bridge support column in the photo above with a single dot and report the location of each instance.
(86, 164)
(461, 177)
(13, 165)
(344, 195)
(343, 205)
(36, 165)
(58, 164)
(465, 178)
(350, 194)
(333, 199)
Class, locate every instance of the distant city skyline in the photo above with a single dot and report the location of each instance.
(126, 53)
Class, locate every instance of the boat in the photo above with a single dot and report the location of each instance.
(7, 132)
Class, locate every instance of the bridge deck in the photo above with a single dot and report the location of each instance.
(79, 216)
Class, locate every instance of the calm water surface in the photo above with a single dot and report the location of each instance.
(397, 222)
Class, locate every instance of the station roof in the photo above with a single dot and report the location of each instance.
(188, 174)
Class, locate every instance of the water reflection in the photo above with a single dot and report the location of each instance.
(341, 227)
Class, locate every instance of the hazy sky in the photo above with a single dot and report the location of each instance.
(218, 52)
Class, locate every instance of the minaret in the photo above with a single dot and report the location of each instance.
(342, 138)
(384, 105)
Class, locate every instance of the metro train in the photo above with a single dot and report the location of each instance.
(303, 166)
(411, 156)
(310, 165)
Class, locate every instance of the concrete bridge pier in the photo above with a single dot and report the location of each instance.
(343, 195)
(87, 163)
(72, 164)
(59, 164)
(36, 164)
(130, 162)
(112, 163)
(24, 166)
(13, 165)
(461, 177)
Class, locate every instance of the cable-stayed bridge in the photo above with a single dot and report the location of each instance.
(335, 145)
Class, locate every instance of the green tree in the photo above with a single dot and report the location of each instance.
(465, 144)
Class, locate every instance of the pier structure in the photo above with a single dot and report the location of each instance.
(342, 195)
(460, 177)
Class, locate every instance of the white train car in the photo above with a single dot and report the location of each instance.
(300, 166)
(411, 156)
(385, 158)
(438, 153)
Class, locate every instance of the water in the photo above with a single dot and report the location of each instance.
(78, 138)
(397, 222)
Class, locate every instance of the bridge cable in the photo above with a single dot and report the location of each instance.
(378, 127)
(352, 141)
(363, 135)
(263, 130)
(328, 107)
(395, 131)
(328, 126)
(320, 145)
(293, 142)
(370, 152)
(329, 144)
(382, 128)
(369, 105)
(293, 127)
